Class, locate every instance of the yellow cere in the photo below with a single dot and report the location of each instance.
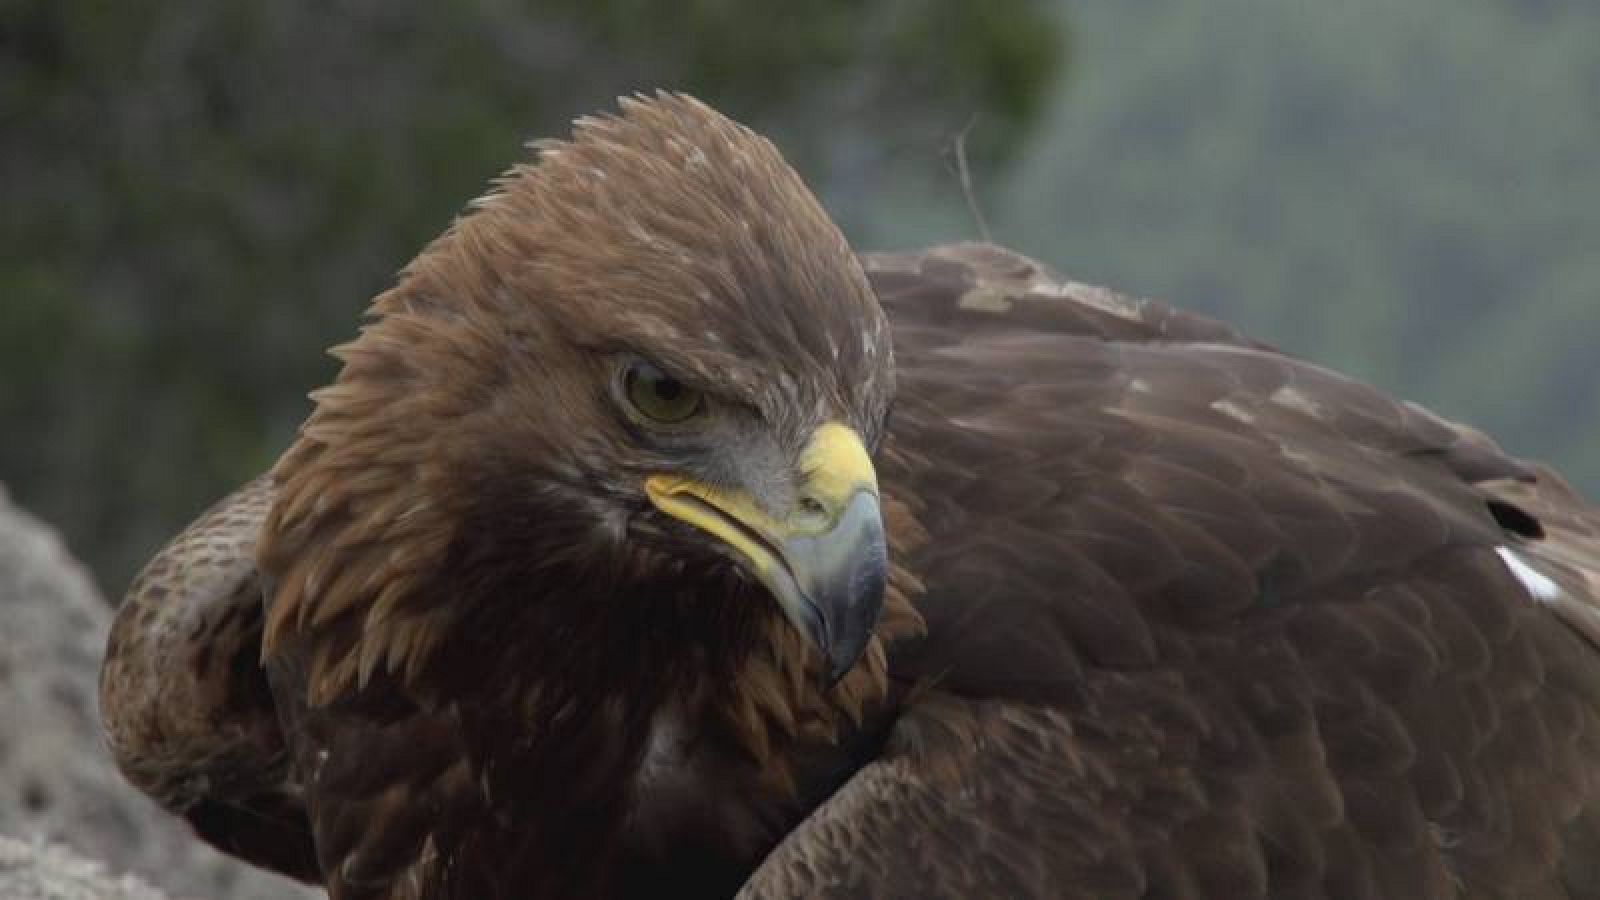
(838, 465)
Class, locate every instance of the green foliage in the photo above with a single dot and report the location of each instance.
(197, 198)
(1405, 191)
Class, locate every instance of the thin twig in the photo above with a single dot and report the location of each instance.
(964, 173)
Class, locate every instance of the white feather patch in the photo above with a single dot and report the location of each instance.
(1538, 584)
(1234, 410)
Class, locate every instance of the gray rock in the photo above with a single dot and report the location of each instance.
(42, 872)
(57, 782)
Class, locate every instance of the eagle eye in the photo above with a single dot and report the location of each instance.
(657, 396)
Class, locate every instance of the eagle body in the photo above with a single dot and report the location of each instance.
(652, 542)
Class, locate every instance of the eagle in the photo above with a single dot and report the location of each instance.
(651, 542)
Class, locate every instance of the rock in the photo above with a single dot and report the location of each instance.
(57, 782)
(41, 872)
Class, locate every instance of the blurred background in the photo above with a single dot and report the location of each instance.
(198, 196)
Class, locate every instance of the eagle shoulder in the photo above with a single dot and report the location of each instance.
(184, 702)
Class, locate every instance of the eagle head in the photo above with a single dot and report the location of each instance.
(628, 398)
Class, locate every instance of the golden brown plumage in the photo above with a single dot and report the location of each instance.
(1167, 613)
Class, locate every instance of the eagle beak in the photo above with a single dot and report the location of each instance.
(825, 563)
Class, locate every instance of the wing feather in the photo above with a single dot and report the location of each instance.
(184, 701)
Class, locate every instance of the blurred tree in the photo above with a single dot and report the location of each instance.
(1404, 191)
(197, 198)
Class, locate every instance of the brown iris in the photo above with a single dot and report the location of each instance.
(657, 396)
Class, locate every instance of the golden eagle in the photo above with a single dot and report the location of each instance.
(650, 542)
